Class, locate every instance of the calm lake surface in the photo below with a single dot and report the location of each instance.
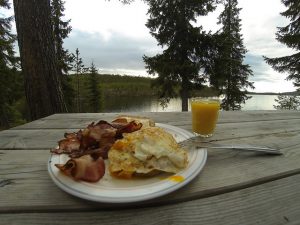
(150, 104)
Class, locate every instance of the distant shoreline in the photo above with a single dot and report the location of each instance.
(273, 93)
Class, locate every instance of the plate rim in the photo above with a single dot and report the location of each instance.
(128, 199)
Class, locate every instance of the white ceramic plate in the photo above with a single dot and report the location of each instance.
(114, 190)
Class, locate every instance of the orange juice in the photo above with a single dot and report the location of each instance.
(204, 115)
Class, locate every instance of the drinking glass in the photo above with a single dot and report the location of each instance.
(205, 112)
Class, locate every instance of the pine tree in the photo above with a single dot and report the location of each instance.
(94, 95)
(287, 102)
(8, 64)
(61, 30)
(290, 36)
(38, 59)
(171, 23)
(79, 69)
(228, 73)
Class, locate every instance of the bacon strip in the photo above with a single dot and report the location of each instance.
(129, 128)
(98, 152)
(88, 147)
(85, 168)
(68, 145)
(95, 139)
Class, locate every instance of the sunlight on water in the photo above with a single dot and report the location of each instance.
(149, 104)
(173, 106)
(257, 102)
(260, 102)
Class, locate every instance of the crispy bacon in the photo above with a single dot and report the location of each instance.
(67, 146)
(88, 147)
(70, 135)
(99, 152)
(95, 138)
(128, 128)
(85, 168)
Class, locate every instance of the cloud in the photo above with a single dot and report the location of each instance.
(262, 72)
(259, 67)
(121, 54)
(265, 78)
(108, 17)
(115, 37)
(117, 52)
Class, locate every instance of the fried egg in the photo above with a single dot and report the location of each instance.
(146, 152)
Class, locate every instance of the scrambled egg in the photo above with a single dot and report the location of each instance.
(146, 152)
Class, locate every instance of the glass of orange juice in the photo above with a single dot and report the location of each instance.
(205, 112)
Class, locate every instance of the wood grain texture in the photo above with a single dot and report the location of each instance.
(47, 138)
(80, 120)
(224, 171)
(273, 203)
(233, 188)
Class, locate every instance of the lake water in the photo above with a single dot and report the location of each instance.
(150, 104)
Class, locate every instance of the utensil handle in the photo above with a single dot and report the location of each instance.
(195, 142)
(247, 148)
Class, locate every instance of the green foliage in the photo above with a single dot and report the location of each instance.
(79, 68)
(288, 102)
(68, 91)
(61, 30)
(112, 87)
(7, 39)
(94, 95)
(13, 109)
(290, 36)
(11, 82)
(17, 112)
(227, 73)
(170, 22)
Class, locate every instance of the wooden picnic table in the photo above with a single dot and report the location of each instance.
(233, 187)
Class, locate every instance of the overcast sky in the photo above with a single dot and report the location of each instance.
(115, 38)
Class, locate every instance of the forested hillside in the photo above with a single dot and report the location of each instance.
(110, 86)
(45, 77)
(122, 86)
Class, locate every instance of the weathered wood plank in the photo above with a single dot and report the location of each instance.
(246, 188)
(225, 171)
(273, 203)
(77, 121)
(48, 138)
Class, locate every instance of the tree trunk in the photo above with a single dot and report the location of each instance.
(38, 60)
(184, 94)
(4, 121)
